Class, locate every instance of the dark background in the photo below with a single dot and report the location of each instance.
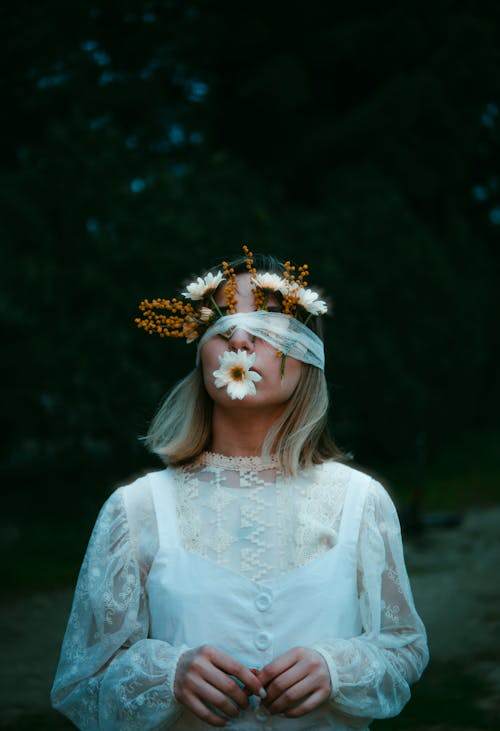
(144, 141)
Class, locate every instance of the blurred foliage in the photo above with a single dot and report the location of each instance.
(144, 140)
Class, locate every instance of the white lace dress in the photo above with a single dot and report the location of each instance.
(245, 516)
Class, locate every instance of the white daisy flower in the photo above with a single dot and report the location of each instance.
(268, 281)
(234, 373)
(203, 286)
(288, 287)
(308, 299)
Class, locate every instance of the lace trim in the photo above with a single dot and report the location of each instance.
(213, 459)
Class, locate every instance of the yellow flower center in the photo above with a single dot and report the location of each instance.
(237, 373)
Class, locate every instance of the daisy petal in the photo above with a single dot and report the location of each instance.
(203, 286)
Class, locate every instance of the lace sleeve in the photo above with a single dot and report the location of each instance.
(110, 675)
(371, 674)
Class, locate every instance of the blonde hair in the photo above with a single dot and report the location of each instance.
(182, 427)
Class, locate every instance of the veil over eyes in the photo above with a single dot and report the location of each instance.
(288, 335)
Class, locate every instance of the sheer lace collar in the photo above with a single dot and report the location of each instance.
(222, 461)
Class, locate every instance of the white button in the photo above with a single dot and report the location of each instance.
(263, 601)
(262, 640)
(262, 714)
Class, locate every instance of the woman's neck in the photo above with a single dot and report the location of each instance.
(241, 432)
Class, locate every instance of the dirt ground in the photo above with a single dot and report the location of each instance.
(456, 581)
(455, 576)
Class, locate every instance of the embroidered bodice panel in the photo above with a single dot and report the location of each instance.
(246, 516)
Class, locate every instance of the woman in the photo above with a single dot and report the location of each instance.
(258, 582)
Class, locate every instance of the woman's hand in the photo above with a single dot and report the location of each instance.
(203, 676)
(296, 682)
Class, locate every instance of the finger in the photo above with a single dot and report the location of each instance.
(308, 704)
(228, 686)
(217, 701)
(282, 683)
(202, 711)
(216, 688)
(231, 666)
(278, 666)
(293, 695)
(248, 690)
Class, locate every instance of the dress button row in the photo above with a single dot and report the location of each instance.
(262, 640)
(262, 714)
(263, 601)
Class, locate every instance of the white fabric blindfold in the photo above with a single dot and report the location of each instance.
(285, 333)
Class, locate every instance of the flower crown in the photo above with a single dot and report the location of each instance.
(191, 317)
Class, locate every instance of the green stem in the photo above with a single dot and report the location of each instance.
(283, 361)
(221, 314)
(217, 308)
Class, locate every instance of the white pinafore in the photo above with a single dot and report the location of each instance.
(193, 601)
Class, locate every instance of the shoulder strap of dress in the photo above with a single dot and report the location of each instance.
(163, 490)
(354, 502)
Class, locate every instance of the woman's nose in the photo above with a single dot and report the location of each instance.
(241, 340)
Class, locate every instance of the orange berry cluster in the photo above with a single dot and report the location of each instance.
(258, 295)
(249, 260)
(294, 282)
(181, 323)
(230, 288)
